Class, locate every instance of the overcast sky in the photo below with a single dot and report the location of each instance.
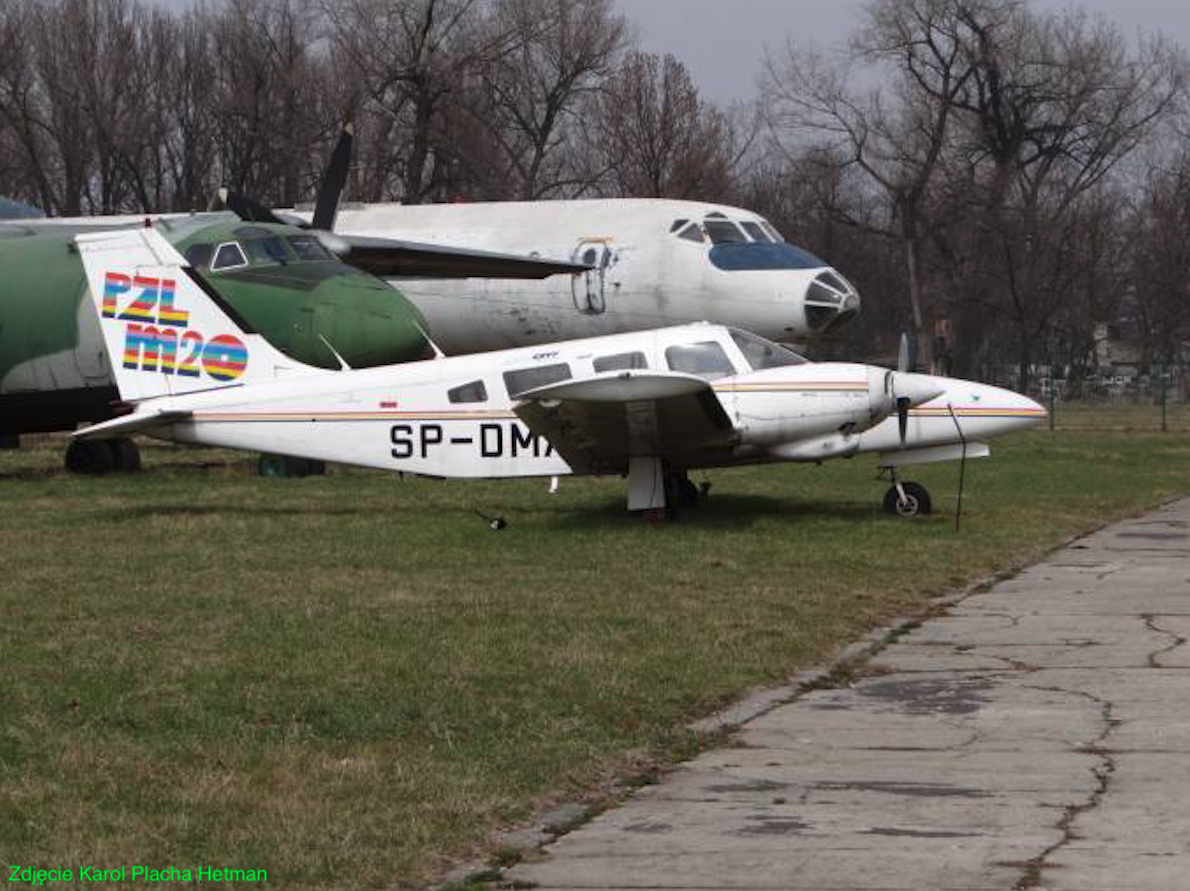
(722, 41)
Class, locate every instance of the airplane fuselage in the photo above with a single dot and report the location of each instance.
(656, 262)
(455, 417)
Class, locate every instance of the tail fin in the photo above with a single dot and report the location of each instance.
(167, 331)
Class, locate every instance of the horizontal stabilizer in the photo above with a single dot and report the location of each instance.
(620, 386)
(139, 422)
(389, 257)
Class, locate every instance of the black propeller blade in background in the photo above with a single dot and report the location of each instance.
(326, 206)
(247, 209)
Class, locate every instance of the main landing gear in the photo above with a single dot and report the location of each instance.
(98, 456)
(906, 499)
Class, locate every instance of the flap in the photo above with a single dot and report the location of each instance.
(393, 257)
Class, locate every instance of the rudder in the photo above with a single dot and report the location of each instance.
(166, 329)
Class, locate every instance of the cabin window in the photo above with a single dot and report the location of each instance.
(620, 362)
(229, 256)
(761, 353)
(472, 392)
(199, 255)
(678, 224)
(703, 359)
(692, 233)
(526, 379)
(307, 247)
(723, 232)
(757, 233)
(267, 250)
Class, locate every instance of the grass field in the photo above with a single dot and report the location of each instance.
(348, 681)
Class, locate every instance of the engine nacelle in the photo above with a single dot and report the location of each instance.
(836, 445)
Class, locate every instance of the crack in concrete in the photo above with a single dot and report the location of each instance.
(1178, 640)
(1032, 869)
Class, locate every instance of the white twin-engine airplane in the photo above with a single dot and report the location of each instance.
(651, 405)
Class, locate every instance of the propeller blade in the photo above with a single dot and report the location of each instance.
(248, 209)
(958, 507)
(903, 404)
(326, 206)
(903, 354)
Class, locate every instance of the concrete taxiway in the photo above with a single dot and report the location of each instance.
(1037, 735)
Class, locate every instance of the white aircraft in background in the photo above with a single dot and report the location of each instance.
(654, 262)
(651, 405)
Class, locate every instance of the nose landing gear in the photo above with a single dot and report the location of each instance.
(906, 499)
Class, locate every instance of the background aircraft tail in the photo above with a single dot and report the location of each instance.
(166, 329)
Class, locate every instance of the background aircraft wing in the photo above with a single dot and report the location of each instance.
(597, 423)
(388, 257)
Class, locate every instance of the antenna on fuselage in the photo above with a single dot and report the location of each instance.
(438, 354)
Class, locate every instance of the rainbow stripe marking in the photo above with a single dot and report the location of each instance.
(225, 357)
(114, 285)
(166, 314)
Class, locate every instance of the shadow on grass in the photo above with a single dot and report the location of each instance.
(724, 512)
(145, 511)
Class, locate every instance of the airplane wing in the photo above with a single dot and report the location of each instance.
(597, 423)
(390, 257)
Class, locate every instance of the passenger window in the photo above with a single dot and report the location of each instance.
(757, 233)
(472, 392)
(620, 362)
(678, 224)
(229, 256)
(723, 232)
(692, 233)
(703, 359)
(199, 255)
(307, 247)
(526, 379)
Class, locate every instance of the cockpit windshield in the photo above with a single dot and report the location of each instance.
(761, 353)
(269, 249)
(758, 234)
(724, 232)
(752, 256)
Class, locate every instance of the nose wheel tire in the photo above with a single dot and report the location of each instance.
(681, 492)
(914, 502)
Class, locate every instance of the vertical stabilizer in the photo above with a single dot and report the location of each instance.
(166, 329)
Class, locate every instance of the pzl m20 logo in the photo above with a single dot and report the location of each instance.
(152, 328)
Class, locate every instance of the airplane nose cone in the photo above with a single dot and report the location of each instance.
(831, 301)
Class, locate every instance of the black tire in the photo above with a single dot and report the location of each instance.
(125, 455)
(680, 492)
(916, 504)
(90, 457)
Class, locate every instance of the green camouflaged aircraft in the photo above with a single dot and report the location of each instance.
(313, 295)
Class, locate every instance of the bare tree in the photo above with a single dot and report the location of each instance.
(660, 139)
(532, 97)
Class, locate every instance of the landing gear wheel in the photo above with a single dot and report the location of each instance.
(90, 457)
(125, 455)
(915, 503)
(680, 491)
(284, 465)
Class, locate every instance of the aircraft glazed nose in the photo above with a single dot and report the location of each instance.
(830, 301)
